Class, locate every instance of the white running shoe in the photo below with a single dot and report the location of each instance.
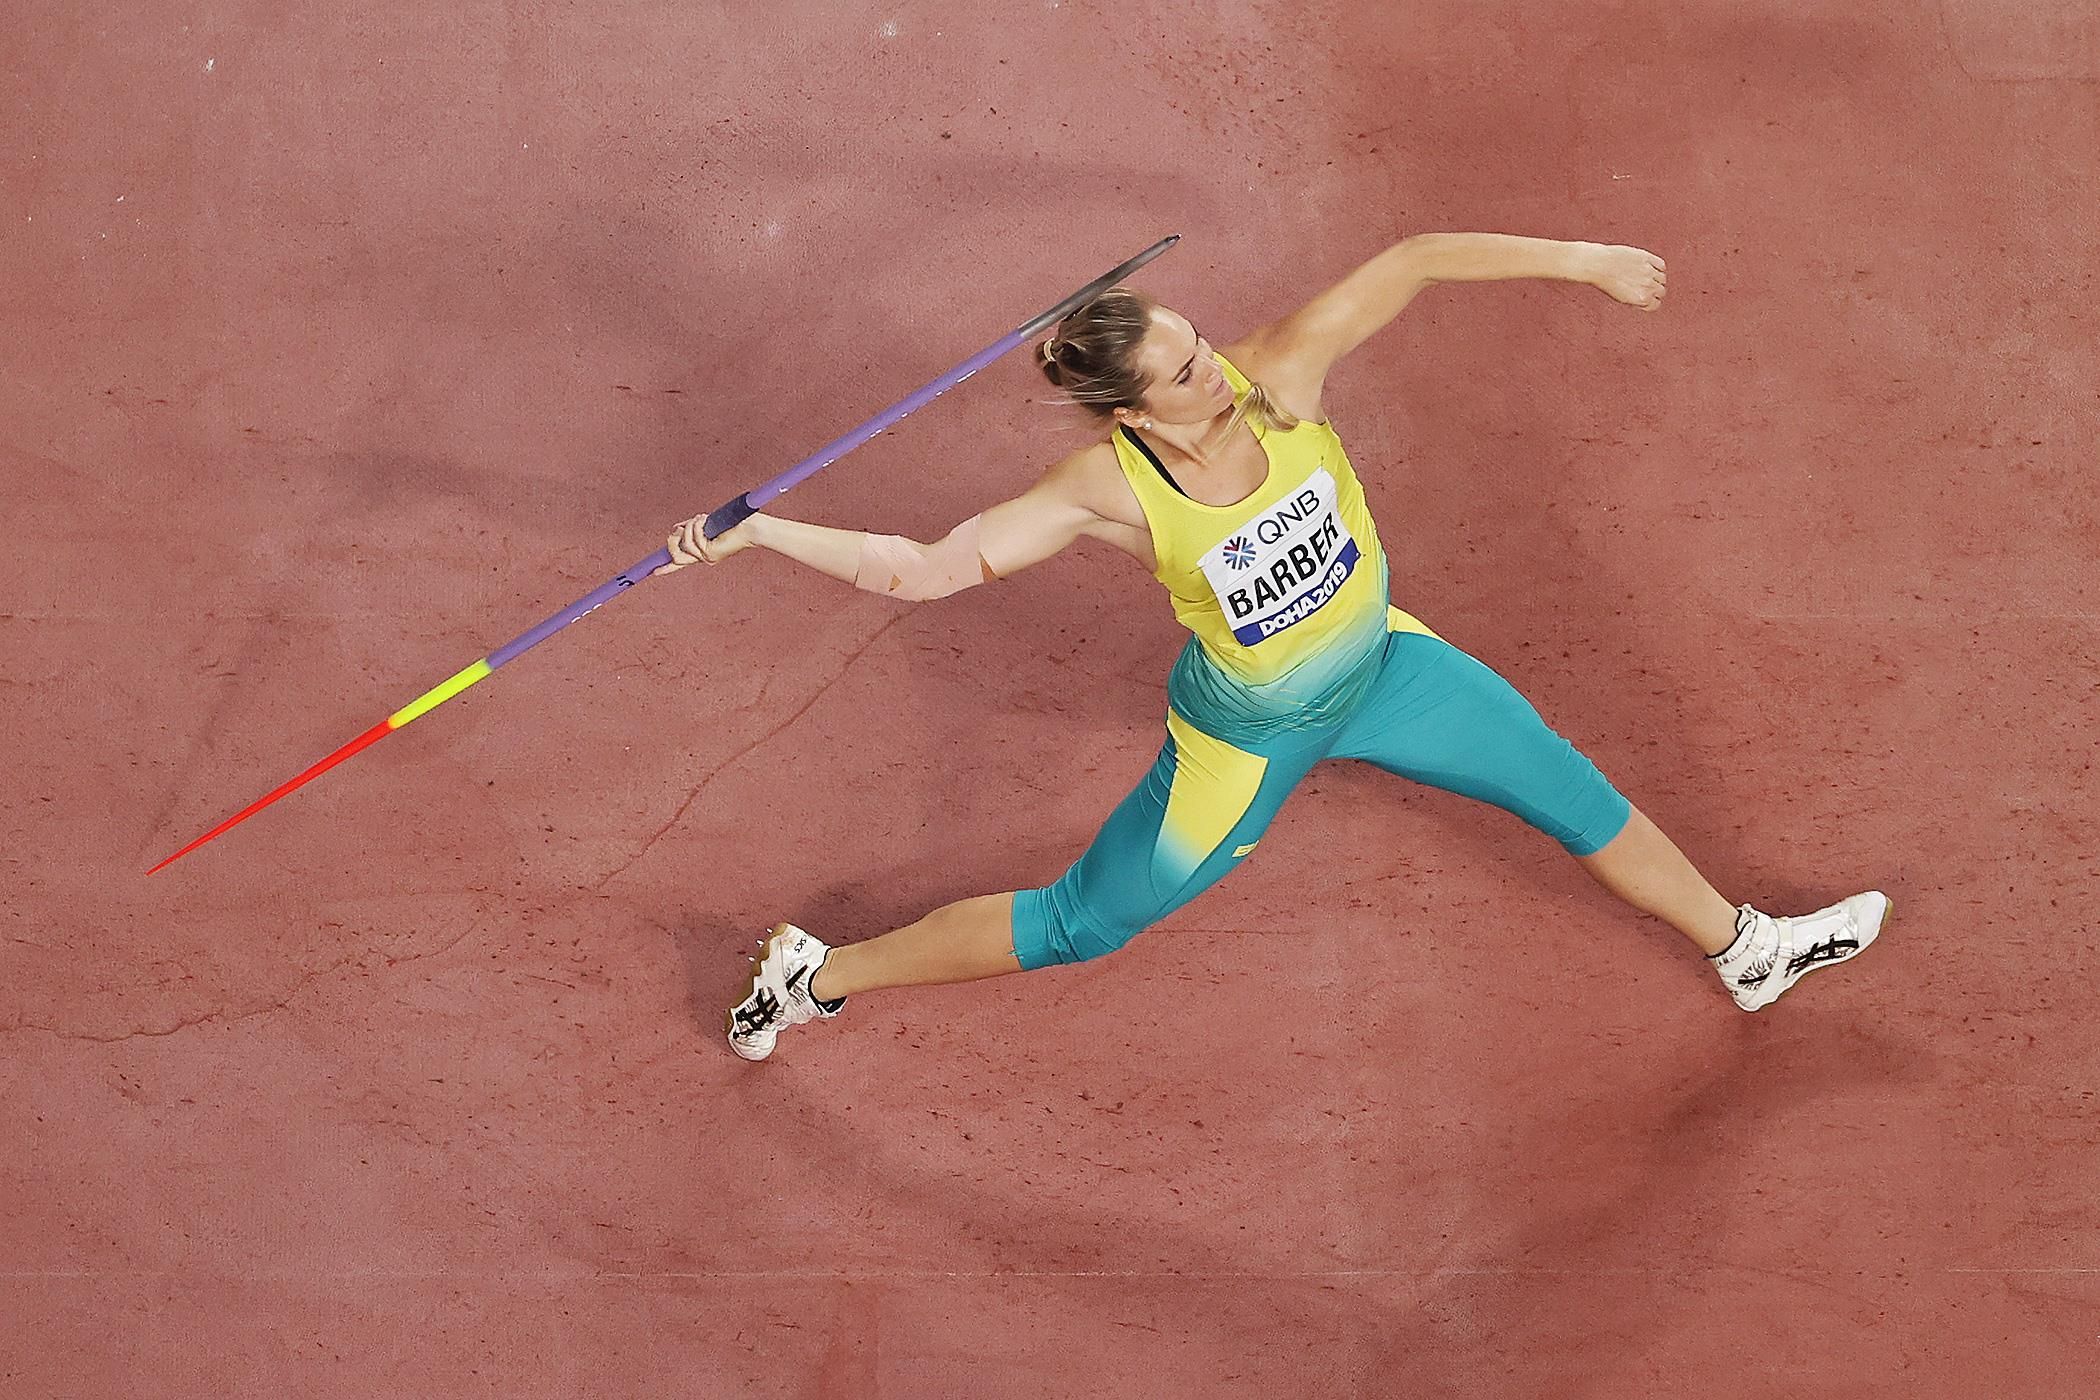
(1769, 955)
(779, 995)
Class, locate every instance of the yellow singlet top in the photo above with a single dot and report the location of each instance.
(1285, 591)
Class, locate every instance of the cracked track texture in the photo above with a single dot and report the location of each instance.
(346, 341)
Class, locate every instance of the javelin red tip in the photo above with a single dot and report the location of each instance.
(370, 736)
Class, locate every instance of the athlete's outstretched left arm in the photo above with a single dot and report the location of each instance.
(993, 544)
(1347, 314)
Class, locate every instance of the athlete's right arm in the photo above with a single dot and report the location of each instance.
(999, 542)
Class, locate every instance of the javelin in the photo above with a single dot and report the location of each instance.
(719, 521)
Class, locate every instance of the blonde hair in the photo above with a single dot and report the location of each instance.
(1092, 357)
(1257, 404)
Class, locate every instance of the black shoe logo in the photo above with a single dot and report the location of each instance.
(759, 1013)
(794, 979)
(1829, 950)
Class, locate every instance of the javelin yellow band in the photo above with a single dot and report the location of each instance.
(438, 695)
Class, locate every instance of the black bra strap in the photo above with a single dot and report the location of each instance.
(1159, 466)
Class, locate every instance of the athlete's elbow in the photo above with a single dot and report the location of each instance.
(912, 572)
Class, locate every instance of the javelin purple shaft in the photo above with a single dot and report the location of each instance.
(589, 603)
(728, 516)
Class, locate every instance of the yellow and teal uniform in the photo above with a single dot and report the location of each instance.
(1297, 655)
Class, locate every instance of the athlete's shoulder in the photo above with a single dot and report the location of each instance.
(1093, 477)
(1293, 381)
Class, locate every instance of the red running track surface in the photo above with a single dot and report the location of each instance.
(344, 341)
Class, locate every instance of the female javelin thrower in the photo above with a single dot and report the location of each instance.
(1224, 479)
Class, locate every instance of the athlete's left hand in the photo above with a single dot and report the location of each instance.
(1632, 275)
(689, 543)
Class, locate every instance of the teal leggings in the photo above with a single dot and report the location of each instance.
(1433, 714)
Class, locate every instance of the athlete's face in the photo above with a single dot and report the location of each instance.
(1186, 384)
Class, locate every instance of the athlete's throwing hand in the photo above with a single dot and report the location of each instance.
(1632, 275)
(689, 543)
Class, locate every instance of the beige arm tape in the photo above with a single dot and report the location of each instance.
(899, 568)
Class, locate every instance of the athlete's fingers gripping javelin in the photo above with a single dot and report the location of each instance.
(689, 543)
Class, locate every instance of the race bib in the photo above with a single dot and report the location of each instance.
(1285, 564)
